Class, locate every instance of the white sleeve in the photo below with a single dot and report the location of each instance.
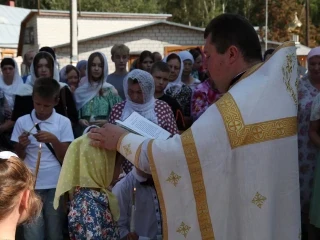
(17, 131)
(315, 109)
(143, 158)
(66, 134)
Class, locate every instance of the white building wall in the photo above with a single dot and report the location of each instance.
(153, 38)
(56, 30)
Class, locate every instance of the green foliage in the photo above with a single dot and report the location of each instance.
(200, 12)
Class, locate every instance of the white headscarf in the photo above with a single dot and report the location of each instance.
(10, 90)
(186, 55)
(87, 90)
(27, 88)
(176, 85)
(147, 86)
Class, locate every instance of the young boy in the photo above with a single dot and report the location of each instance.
(147, 209)
(120, 57)
(160, 72)
(53, 130)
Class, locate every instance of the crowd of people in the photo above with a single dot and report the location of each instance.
(83, 192)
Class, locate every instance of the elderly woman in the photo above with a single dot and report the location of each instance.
(18, 201)
(309, 87)
(139, 90)
(314, 129)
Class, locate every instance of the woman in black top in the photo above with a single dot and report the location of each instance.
(44, 66)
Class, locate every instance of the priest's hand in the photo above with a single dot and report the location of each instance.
(106, 137)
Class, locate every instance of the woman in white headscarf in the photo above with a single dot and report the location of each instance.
(139, 90)
(95, 97)
(176, 88)
(10, 80)
(44, 66)
(188, 62)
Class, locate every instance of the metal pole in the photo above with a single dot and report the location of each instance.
(266, 27)
(307, 22)
(73, 32)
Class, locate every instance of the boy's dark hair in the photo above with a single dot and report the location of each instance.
(195, 52)
(232, 29)
(46, 88)
(160, 66)
(144, 55)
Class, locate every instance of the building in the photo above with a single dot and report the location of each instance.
(10, 22)
(100, 31)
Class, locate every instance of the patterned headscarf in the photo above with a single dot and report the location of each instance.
(147, 86)
(88, 167)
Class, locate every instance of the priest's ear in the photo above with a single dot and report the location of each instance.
(234, 54)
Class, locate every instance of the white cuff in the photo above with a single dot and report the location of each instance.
(129, 146)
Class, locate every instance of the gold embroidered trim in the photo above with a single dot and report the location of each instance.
(259, 200)
(136, 159)
(240, 134)
(159, 192)
(199, 190)
(183, 229)
(174, 178)
(127, 149)
(120, 141)
(287, 69)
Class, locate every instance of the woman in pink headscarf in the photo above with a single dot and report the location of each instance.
(309, 87)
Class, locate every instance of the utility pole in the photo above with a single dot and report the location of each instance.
(307, 21)
(73, 32)
(266, 28)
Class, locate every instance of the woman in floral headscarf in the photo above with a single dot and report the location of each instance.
(139, 90)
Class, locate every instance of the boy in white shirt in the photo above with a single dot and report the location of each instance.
(53, 130)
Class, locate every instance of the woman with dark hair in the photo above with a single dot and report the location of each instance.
(95, 97)
(146, 61)
(43, 65)
(18, 201)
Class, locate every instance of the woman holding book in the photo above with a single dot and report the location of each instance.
(139, 90)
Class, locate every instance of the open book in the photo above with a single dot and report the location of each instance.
(135, 123)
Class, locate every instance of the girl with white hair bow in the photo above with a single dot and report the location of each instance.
(139, 90)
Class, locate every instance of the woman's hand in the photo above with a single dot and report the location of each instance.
(84, 123)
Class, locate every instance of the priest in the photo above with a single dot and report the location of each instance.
(234, 174)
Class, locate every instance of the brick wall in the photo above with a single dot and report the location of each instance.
(153, 38)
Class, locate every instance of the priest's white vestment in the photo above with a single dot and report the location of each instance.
(234, 174)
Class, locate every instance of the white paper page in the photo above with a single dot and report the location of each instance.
(144, 127)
